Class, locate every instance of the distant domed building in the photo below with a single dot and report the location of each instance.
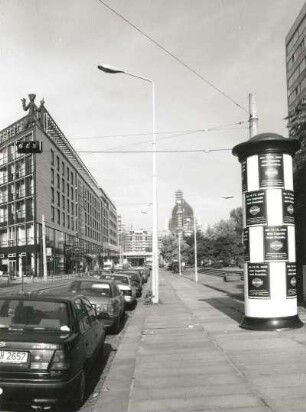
(182, 219)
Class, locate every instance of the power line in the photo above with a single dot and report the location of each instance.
(173, 56)
(150, 151)
(150, 141)
(210, 129)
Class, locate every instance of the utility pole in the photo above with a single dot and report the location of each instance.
(43, 227)
(196, 278)
(179, 253)
(253, 119)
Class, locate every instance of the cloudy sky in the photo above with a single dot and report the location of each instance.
(204, 56)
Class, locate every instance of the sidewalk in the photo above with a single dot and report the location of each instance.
(189, 354)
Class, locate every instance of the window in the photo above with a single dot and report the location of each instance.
(83, 316)
(58, 199)
(58, 181)
(58, 217)
(71, 178)
(52, 176)
(68, 172)
(63, 185)
(63, 168)
(57, 163)
(52, 195)
(52, 214)
(63, 219)
(63, 201)
(52, 157)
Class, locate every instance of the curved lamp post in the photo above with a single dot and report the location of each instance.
(155, 266)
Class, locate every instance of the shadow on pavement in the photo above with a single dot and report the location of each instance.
(225, 305)
(236, 294)
(95, 373)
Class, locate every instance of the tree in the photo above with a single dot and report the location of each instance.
(169, 248)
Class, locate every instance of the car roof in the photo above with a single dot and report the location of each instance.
(34, 296)
(94, 280)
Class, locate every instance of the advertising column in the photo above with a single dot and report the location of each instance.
(268, 232)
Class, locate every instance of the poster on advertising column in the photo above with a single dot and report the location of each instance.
(259, 281)
(271, 170)
(246, 245)
(288, 206)
(276, 242)
(255, 206)
(291, 280)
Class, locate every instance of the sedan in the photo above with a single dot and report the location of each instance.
(106, 297)
(136, 279)
(47, 346)
(126, 285)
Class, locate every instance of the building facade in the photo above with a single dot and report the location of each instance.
(296, 92)
(54, 217)
(182, 219)
(296, 61)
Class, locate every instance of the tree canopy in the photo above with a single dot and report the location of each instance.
(222, 242)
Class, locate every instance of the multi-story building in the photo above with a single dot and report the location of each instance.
(182, 219)
(296, 61)
(296, 91)
(139, 241)
(52, 211)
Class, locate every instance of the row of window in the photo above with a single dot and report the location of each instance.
(296, 91)
(297, 72)
(61, 218)
(60, 185)
(17, 235)
(296, 35)
(63, 169)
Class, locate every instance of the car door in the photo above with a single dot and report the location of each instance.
(96, 329)
(85, 327)
(117, 299)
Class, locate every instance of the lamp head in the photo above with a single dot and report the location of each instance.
(106, 68)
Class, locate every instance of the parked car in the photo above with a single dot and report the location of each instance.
(137, 280)
(107, 298)
(108, 266)
(47, 346)
(126, 285)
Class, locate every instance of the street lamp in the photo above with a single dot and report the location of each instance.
(155, 267)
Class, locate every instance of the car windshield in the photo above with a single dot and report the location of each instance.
(93, 288)
(16, 314)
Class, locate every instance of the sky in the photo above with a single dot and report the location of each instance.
(204, 57)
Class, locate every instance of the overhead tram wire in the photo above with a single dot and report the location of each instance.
(174, 57)
(174, 132)
(206, 151)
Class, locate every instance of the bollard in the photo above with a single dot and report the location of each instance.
(270, 293)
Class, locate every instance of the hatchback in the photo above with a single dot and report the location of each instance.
(47, 346)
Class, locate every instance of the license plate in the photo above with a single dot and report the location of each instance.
(10, 356)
